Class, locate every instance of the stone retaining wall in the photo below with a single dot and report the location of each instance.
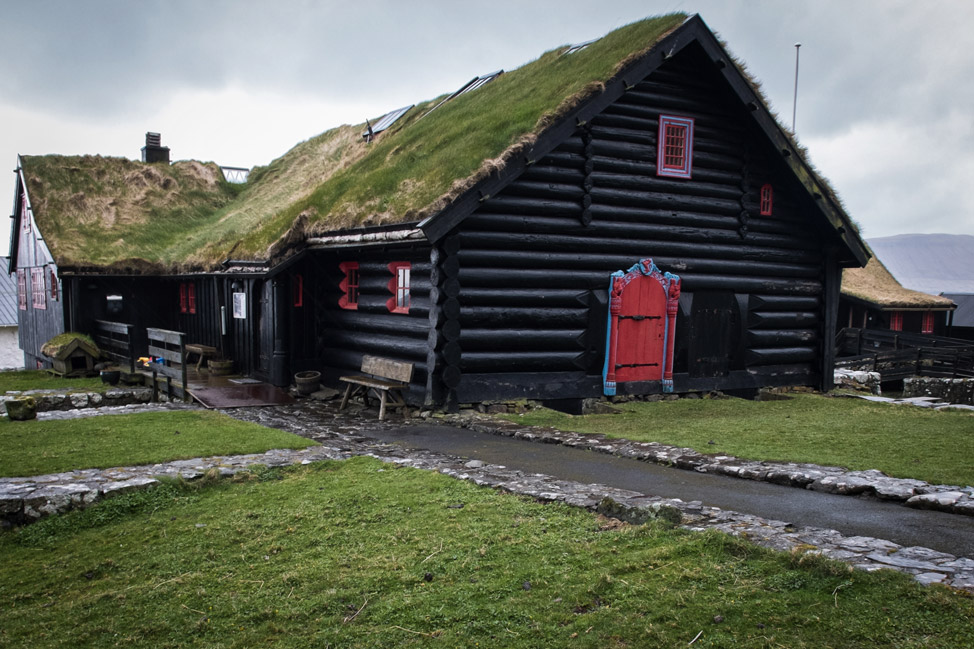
(54, 401)
(949, 390)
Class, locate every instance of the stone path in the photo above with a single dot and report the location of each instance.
(913, 493)
(340, 436)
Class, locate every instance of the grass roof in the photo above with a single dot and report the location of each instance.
(121, 215)
(875, 284)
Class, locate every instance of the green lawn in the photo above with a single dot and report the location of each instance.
(42, 380)
(363, 554)
(902, 441)
(40, 447)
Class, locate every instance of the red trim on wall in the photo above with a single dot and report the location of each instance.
(187, 297)
(22, 289)
(38, 289)
(896, 321)
(767, 199)
(297, 290)
(927, 325)
(399, 287)
(674, 148)
(349, 285)
(54, 291)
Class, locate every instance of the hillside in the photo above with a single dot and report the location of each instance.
(932, 263)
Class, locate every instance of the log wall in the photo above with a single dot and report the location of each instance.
(532, 264)
(332, 340)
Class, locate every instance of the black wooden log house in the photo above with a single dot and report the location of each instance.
(727, 250)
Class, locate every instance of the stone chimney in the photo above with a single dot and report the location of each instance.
(153, 151)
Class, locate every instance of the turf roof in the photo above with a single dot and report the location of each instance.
(121, 215)
(876, 285)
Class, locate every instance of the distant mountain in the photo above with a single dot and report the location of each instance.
(932, 263)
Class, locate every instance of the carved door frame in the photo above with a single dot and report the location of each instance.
(644, 270)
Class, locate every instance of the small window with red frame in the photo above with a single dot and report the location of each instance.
(399, 287)
(928, 322)
(22, 289)
(767, 199)
(37, 288)
(674, 152)
(187, 297)
(297, 290)
(896, 321)
(349, 285)
(54, 286)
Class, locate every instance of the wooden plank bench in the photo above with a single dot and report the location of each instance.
(205, 351)
(385, 377)
(170, 346)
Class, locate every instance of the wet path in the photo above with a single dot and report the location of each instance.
(801, 507)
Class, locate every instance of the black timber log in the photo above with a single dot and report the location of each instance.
(522, 339)
(487, 316)
(513, 297)
(550, 360)
(527, 385)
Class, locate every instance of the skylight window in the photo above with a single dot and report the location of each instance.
(578, 47)
(384, 122)
(470, 86)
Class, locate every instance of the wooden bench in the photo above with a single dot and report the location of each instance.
(383, 376)
(170, 346)
(203, 350)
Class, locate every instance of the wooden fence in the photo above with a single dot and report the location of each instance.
(896, 355)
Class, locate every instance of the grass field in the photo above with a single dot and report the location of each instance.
(40, 380)
(902, 441)
(41, 447)
(363, 554)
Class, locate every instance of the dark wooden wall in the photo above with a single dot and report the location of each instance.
(332, 340)
(37, 326)
(533, 262)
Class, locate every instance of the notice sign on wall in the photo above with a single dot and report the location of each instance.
(240, 306)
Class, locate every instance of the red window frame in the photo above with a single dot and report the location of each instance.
(927, 325)
(767, 199)
(896, 321)
(349, 285)
(54, 291)
(399, 287)
(187, 298)
(37, 288)
(22, 289)
(674, 149)
(297, 290)
(25, 215)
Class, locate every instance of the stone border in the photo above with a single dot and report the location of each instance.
(341, 438)
(913, 493)
(49, 401)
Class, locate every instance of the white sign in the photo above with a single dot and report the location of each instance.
(240, 306)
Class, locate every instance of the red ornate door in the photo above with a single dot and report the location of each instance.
(642, 327)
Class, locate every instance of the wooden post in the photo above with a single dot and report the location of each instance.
(615, 305)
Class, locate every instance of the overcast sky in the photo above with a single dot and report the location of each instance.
(885, 91)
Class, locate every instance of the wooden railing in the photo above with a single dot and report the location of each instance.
(114, 339)
(170, 346)
(897, 355)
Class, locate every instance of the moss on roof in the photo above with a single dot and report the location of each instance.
(121, 215)
(112, 212)
(876, 285)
